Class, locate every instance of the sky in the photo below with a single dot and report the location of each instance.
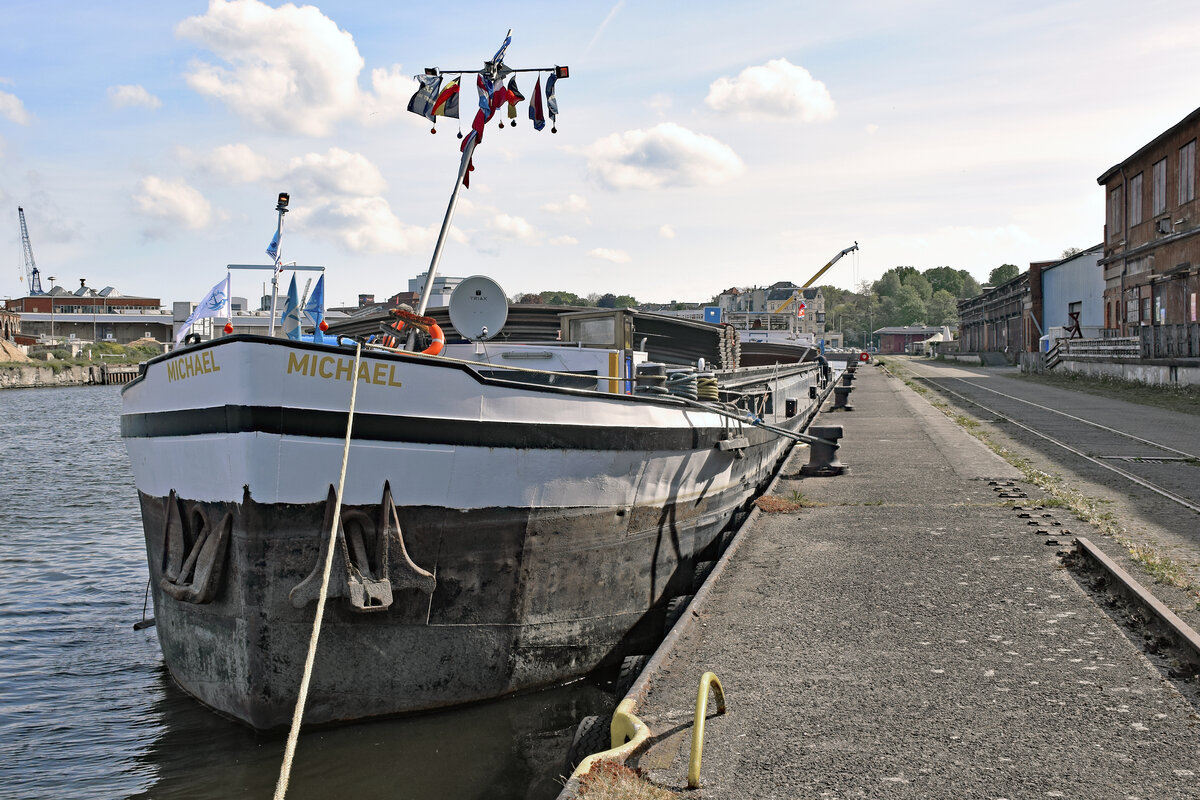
(700, 145)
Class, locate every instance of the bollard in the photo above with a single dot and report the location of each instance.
(841, 398)
(822, 456)
(848, 379)
(852, 367)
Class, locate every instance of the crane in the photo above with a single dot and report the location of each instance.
(796, 294)
(32, 275)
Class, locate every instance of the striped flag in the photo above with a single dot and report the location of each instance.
(536, 114)
(514, 97)
(446, 104)
(552, 101)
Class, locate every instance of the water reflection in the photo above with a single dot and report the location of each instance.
(512, 748)
(88, 711)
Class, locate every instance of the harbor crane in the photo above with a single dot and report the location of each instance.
(33, 278)
(796, 294)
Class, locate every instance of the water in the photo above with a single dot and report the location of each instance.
(87, 709)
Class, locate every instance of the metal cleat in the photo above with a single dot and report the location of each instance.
(822, 453)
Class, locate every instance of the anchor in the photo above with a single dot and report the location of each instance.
(369, 562)
(193, 573)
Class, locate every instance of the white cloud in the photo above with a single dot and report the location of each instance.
(605, 254)
(13, 109)
(574, 204)
(513, 227)
(666, 232)
(778, 89)
(666, 155)
(288, 68)
(871, 129)
(364, 224)
(564, 240)
(172, 203)
(136, 95)
(236, 163)
(336, 172)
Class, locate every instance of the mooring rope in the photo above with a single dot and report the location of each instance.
(286, 770)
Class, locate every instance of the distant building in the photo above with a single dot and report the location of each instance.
(1151, 257)
(90, 315)
(10, 325)
(999, 320)
(443, 285)
(896, 340)
(1067, 296)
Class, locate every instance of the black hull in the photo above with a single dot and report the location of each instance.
(523, 598)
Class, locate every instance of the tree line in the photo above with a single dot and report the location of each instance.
(901, 296)
(904, 296)
(594, 300)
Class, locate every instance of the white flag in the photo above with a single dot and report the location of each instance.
(214, 304)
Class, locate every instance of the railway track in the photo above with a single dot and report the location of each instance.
(1166, 471)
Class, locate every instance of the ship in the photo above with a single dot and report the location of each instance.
(508, 510)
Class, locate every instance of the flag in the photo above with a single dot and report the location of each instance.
(290, 322)
(535, 106)
(551, 101)
(273, 247)
(514, 97)
(446, 104)
(315, 308)
(491, 97)
(214, 304)
(499, 57)
(423, 100)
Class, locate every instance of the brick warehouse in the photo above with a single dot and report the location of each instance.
(1152, 234)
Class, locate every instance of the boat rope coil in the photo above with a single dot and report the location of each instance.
(682, 383)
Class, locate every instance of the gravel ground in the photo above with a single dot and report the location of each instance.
(913, 637)
(1147, 519)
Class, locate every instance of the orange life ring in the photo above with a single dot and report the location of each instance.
(439, 340)
(864, 356)
(421, 323)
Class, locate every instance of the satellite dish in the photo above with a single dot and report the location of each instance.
(478, 308)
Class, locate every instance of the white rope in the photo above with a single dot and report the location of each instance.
(286, 770)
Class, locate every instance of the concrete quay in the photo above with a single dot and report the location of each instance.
(911, 635)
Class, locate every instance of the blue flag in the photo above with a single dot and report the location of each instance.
(291, 312)
(499, 57)
(315, 309)
(273, 247)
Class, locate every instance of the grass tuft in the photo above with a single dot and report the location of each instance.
(608, 780)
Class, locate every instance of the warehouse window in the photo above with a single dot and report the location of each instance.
(1159, 171)
(1114, 214)
(1135, 200)
(1187, 172)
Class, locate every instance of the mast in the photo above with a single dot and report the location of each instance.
(495, 70)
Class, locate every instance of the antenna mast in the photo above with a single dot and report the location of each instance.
(32, 276)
